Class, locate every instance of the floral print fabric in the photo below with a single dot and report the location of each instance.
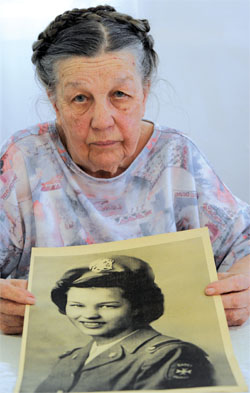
(46, 200)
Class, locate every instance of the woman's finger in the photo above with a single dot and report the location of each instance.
(8, 307)
(14, 290)
(236, 317)
(11, 320)
(228, 283)
(236, 299)
(11, 324)
(17, 283)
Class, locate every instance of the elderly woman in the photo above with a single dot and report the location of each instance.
(114, 301)
(100, 172)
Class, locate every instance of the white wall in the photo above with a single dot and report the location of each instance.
(203, 80)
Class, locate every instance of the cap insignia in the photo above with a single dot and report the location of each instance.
(101, 265)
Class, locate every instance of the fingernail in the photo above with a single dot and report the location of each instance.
(31, 300)
(210, 291)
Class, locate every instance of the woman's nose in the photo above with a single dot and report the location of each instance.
(91, 313)
(102, 117)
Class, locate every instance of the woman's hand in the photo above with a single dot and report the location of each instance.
(234, 288)
(13, 298)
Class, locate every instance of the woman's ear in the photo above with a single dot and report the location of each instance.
(146, 90)
(52, 99)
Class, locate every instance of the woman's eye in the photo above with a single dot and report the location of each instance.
(80, 98)
(120, 94)
(105, 306)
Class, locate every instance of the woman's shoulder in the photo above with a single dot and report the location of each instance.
(163, 343)
(173, 360)
(72, 353)
(151, 341)
(33, 134)
(168, 147)
(172, 135)
(159, 342)
(171, 143)
(182, 354)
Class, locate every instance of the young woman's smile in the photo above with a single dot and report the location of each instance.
(100, 312)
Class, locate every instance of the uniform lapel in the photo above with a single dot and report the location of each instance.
(129, 344)
(110, 355)
(139, 338)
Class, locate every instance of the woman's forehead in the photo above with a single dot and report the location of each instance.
(95, 293)
(119, 65)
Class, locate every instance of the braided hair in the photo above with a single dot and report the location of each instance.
(88, 32)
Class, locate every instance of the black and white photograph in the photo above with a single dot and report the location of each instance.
(126, 316)
(122, 121)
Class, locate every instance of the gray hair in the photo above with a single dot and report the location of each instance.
(88, 32)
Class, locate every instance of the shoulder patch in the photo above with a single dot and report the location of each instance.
(180, 370)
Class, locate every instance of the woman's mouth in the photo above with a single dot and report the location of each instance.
(104, 143)
(92, 325)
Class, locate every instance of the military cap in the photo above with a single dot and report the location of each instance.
(115, 264)
(127, 272)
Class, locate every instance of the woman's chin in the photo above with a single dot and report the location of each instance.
(106, 164)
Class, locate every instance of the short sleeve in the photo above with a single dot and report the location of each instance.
(13, 200)
(225, 215)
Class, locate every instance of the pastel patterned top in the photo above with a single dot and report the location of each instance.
(46, 200)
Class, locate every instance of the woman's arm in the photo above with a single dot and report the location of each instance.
(234, 286)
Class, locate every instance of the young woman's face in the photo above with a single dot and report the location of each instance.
(100, 312)
(99, 105)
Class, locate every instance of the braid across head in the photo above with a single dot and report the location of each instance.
(87, 32)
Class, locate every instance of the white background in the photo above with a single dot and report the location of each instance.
(202, 86)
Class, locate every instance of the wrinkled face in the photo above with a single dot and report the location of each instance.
(100, 312)
(99, 104)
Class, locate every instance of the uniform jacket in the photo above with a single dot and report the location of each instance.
(144, 360)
